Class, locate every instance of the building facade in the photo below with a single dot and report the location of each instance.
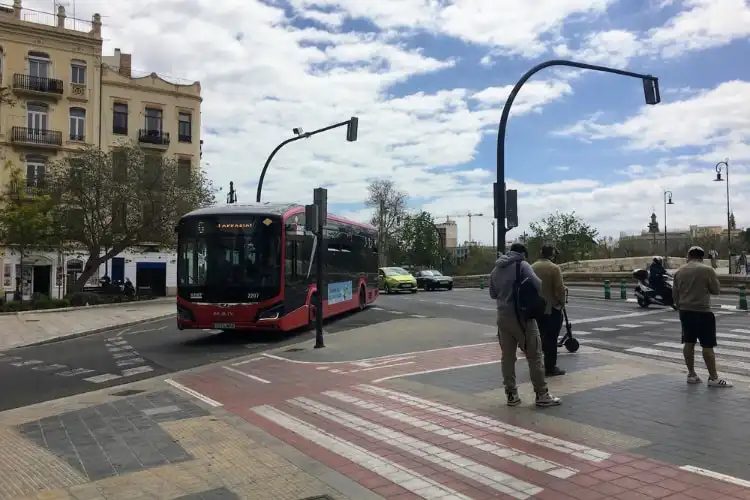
(448, 233)
(65, 96)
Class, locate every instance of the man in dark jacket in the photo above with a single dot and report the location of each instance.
(515, 332)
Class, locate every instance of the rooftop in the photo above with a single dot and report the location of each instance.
(46, 20)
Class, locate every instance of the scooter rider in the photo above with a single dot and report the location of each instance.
(656, 275)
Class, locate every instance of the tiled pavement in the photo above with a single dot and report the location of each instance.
(393, 425)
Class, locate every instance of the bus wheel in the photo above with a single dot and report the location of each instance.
(362, 299)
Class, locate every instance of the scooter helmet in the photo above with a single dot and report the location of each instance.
(696, 252)
(657, 260)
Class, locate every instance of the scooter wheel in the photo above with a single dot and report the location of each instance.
(572, 345)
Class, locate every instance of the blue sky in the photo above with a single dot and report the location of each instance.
(428, 80)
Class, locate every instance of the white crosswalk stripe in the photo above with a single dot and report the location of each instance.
(360, 424)
(661, 340)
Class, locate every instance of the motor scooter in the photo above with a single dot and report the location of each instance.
(645, 295)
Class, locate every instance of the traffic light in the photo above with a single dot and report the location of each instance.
(351, 129)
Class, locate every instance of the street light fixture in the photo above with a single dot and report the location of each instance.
(667, 201)
(725, 165)
(352, 124)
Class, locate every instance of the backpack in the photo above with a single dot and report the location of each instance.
(529, 304)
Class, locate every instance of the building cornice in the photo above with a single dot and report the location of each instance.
(50, 32)
(134, 86)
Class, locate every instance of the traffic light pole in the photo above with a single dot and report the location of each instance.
(651, 92)
(316, 217)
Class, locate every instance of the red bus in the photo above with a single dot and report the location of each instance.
(251, 267)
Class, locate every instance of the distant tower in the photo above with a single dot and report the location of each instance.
(232, 195)
(653, 226)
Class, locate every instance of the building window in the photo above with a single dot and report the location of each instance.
(183, 172)
(185, 127)
(39, 65)
(120, 119)
(78, 72)
(154, 120)
(37, 117)
(35, 170)
(77, 124)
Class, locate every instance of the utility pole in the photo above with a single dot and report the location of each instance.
(381, 233)
(493, 232)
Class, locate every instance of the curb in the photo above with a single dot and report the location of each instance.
(84, 308)
(93, 332)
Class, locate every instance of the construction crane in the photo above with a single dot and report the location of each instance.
(467, 214)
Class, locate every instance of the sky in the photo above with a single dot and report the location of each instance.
(428, 80)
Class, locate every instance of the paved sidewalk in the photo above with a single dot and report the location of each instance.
(430, 424)
(34, 327)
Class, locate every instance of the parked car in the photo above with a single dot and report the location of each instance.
(431, 279)
(396, 279)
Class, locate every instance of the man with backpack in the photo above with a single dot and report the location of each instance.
(516, 289)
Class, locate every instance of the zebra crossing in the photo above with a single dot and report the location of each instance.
(660, 339)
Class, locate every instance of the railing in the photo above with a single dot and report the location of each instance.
(41, 137)
(38, 84)
(153, 137)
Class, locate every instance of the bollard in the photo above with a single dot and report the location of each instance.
(607, 291)
(623, 289)
(481, 283)
(743, 299)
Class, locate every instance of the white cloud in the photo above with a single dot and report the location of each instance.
(703, 24)
(717, 118)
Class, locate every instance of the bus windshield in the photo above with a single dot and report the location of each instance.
(230, 253)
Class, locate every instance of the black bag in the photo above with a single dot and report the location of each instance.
(529, 304)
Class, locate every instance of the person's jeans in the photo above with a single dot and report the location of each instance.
(511, 337)
(549, 328)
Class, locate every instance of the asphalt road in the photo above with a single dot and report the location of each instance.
(35, 374)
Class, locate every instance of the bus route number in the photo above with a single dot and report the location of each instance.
(253, 295)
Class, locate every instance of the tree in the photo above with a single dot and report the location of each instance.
(390, 212)
(6, 97)
(571, 235)
(480, 260)
(110, 201)
(26, 219)
(420, 241)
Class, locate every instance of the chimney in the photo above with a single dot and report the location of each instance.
(126, 62)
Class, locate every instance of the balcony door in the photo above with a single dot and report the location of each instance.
(38, 67)
(36, 118)
(154, 121)
(35, 170)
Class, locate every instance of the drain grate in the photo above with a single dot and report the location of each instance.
(297, 349)
(320, 497)
(128, 392)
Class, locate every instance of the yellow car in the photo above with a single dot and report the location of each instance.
(395, 279)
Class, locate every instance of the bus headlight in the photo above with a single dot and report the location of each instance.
(271, 314)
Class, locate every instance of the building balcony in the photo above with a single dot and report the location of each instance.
(155, 138)
(35, 137)
(38, 86)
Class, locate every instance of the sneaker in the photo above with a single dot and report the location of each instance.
(693, 379)
(513, 398)
(554, 372)
(545, 399)
(719, 382)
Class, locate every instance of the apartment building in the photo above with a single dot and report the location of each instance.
(66, 96)
(51, 67)
(161, 116)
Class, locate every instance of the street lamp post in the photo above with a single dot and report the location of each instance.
(651, 93)
(667, 201)
(351, 135)
(718, 168)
